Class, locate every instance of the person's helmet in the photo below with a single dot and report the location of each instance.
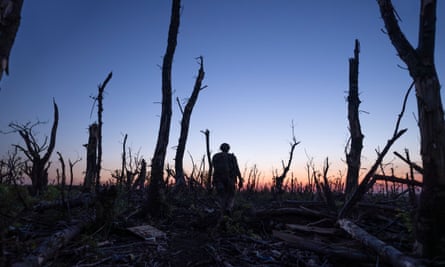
(224, 147)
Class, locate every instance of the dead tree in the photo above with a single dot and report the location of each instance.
(124, 164)
(38, 171)
(139, 183)
(11, 168)
(253, 179)
(100, 109)
(209, 159)
(185, 125)
(155, 189)
(411, 189)
(10, 11)
(90, 173)
(356, 139)
(132, 168)
(430, 233)
(329, 198)
(71, 164)
(369, 179)
(63, 176)
(279, 179)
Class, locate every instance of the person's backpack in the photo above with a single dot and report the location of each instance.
(221, 164)
(223, 167)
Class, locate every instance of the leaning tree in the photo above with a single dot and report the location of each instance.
(38, 171)
(430, 230)
(185, 124)
(155, 194)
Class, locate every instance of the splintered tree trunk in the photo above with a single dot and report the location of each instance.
(157, 165)
(91, 172)
(139, 183)
(43, 181)
(430, 230)
(185, 124)
(209, 159)
(353, 157)
(100, 110)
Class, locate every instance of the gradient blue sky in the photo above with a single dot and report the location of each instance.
(267, 63)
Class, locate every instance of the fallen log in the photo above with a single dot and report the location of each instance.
(322, 248)
(397, 180)
(50, 246)
(385, 251)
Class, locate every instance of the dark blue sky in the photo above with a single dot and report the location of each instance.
(267, 63)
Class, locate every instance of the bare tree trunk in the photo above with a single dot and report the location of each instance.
(354, 155)
(139, 183)
(209, 159)
(90, 173)
(124, 164)
(63, 176)
(43, 179)
(9, 26)
(157, 165)
(410, 178)
(330, 202)
(71, 164)
(185, 125)
(430, 232)
(100, 109)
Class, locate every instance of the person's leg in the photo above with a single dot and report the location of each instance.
(230, 198)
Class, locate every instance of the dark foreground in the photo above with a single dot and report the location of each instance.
(292, 230)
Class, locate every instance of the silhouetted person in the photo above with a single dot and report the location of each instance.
(225, 174)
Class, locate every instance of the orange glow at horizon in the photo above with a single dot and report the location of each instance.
(261, 178)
